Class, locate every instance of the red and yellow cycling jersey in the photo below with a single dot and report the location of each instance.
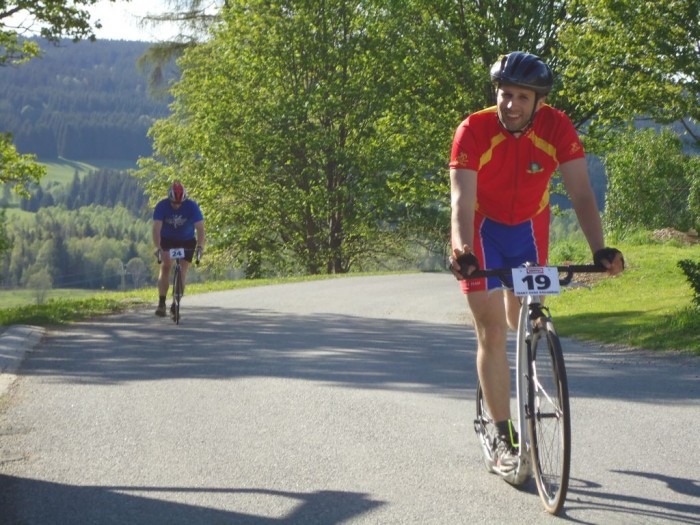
(513, 173)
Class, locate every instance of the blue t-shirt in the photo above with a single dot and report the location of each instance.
(178, 225)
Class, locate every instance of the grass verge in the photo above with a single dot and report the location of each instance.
(648, 306)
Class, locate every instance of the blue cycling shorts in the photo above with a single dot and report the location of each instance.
(498, 245)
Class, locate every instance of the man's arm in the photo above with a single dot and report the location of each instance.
(201, 238)
(155, 232)
(575, 176)
(463, 203)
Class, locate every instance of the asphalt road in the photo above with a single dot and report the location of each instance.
(338, 401)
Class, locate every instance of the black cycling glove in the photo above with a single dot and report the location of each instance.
(465, 261)
(607, 254)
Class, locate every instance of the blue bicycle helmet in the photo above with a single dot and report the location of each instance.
(524, 70)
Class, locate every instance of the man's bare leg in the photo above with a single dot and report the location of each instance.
(492, 364)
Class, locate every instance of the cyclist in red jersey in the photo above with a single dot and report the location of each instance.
(502, 161)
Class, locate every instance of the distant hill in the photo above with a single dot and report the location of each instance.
(82, 100)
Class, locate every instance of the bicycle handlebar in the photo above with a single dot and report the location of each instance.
(569, 270)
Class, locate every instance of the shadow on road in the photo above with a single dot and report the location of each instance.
(106, 505)
(232, 343)
(590, 496)
(354, 351)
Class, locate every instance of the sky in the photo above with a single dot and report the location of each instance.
(120, 20)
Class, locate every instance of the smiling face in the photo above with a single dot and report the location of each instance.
(515, 106)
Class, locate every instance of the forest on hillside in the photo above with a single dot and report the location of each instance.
(84, 100)
(90, 247)
(102, 187)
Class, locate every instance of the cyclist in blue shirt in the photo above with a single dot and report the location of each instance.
(177, 223)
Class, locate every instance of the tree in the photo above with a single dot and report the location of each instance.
(5, 242)
(195, 19)
(40, 281)
(138, 271)
(113, 274)
(293, 168)
(16, 170)
(650, 167)
(627, 59)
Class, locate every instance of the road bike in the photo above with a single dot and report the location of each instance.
(178, 254)
(542, 396)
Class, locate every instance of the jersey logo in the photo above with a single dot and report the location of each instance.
(535, 168)
(575, 147)
(176, 221)
(462, 159)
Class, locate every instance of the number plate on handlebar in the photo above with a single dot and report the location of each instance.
(536, 280)
(177, 253)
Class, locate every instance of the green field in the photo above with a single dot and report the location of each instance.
(62, 170)
(25, 297)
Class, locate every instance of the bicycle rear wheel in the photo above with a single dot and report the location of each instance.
(177, 293)
(549, 422)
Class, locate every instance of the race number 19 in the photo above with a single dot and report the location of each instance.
(536, 280)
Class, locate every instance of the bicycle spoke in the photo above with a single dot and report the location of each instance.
(549, 425)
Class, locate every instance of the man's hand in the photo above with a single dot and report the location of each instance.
(198, 254)
(611, 259)
(463, 262)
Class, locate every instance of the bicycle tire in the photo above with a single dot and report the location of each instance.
(485, 429)
(550, 420)
(177, 293)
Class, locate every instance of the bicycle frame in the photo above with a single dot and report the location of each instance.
(522, 372)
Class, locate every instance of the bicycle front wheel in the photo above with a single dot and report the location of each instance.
(549, 421)
(177, 294)
(485, 429)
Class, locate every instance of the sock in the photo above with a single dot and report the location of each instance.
(507, 433)
(161, 300)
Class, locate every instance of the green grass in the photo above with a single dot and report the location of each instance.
(24, 297)
(62, 170)
(66, 306)
(648, 306)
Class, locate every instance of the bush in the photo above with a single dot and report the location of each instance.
(651, 183)
(691, 269)
(694, 194)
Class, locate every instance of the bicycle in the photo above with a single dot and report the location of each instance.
(178, 286)
(543, 414)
